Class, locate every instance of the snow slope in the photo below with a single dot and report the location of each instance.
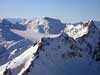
(20, 63)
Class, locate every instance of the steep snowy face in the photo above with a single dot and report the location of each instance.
(76, 31)
(90, 39)
(87, 35)
(80, 29)
(46, 25)
(20, 63)
(62, 55)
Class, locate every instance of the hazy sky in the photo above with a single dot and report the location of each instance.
(66, 10)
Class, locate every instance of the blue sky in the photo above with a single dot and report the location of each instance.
(66, 10)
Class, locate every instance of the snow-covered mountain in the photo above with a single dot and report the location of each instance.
(45, 25)
(57, 49)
